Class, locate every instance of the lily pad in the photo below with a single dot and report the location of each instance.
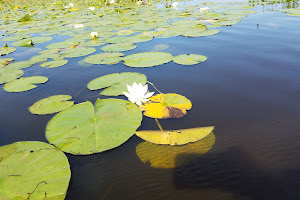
(26, 18)
(33, 170)
(15, 38)
(166, 156)
(77, 52)
(147, 59)
(6, 50)
(86, 129)
(7, 75)
(62, 45)
(24, 84)
(116, 84)
(5, 61)
(191, 59)
(31, 41)
(52, 104)
(163, 106)
(118, 47)
(19, 65)
(175, 137)
(104, 58)
(201, 33)
(54, 64)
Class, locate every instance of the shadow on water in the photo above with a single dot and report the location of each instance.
(238, 173)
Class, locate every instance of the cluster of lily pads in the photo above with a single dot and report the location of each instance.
(86, 128)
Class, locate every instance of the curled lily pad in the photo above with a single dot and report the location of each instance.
(54, 64)
(166, 156)
(7, 75)
(52, 104)
(163, 106)
(116, 84)
(118, 47)
(33, 170)
(147, 59)
(86, 129)
(24, 84)
(26, 18)
(175, 137)
(191, 59)
(6, 50)
(104, 58)
(77, 52)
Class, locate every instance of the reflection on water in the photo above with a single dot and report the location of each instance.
(167, 156)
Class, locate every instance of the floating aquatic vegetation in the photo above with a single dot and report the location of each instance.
(118, 47)
(116, 83)
(54, 63)
(76, 52)
(191, 59)
(6, 50)
(104, 58)
(24, 83)
(147, 59)
(33, 170)
(19, 65)
(86, 129)
(163, 106)
(7, 75)
(52, 104)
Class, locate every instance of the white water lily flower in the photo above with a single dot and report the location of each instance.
(92, 8)
(112, 1)
(139, 2)
(78, 26)
(138, 93)
(204, 9)
(94, 35)
(174, 5)
(71, 4)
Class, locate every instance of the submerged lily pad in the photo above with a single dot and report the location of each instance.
(175, 137)
(77, 52)
(54, 64)
(104, 58)
(7, 75)
(6, 50)
(191, 59)
(116, 84)
(86, 129)
(24, 84)
(163, 106)
(118, 47)
(52, 104)
(147, 59)
(166, 156)
(33, 170)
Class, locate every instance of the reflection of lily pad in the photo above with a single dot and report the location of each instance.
(55, 63)
(104, 58)
(116, 84)
(86, 129)
(191, 59)
(147, 59)
(7, 75)
(118, 47)
(77, 52)
(166, 156)
(24, 84)
(51, 105)
(6, 50)
(163, 106)
(33, 170)
(175, 137)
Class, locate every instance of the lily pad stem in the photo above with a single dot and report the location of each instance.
(158, 124)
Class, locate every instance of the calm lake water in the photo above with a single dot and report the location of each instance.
(249, 89)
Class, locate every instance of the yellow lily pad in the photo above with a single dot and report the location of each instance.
(163, 106)
(175, 137)
(165, 156)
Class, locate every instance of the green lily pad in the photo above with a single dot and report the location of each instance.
(118, 47)
(6, 50)
(131, 39)
(86, 129)
(125, 32)
(61, 45)
(5, 61)
(92, 43)
(116, 83)
(104, 58)
(54, 64)
(77, 52)
(7, 75)
(33, 170)
(52, 104)
(147, 59)
(19, 65)
(26, 18)
(191, 59)
(24, 84)
(15, 38)
(201, 33)
(31, 41)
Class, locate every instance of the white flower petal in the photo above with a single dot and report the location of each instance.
(138, 103)
(127, 94)
(148, 95)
